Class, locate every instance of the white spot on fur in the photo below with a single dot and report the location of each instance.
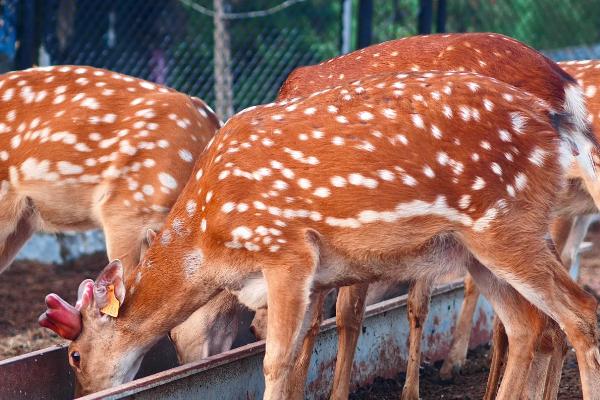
(478, 184)
(167, 180)
(192, 262)
(537, 156)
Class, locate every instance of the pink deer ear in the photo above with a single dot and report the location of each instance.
(112, 274)
(85, 294)
(61, 317)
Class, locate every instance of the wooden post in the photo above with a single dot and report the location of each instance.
(222, 56)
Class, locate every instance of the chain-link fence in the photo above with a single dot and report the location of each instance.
(173, 41)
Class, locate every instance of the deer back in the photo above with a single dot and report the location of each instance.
(490, 54)
(67, 131)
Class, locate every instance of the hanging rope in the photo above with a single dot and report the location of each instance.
(249, 14)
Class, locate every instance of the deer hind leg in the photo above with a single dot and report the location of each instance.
(499, 350)
(418, 307)
(557, 346)
(535, 272)
(462, 334)
(209, 330)
(302, 362)
(350, 308)
(291, 308)
(545, 373)
(124, 233)
(523, 323)
(18, 226)
(570, 247)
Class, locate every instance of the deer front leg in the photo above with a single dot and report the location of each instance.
(123, 242)
(462, 333)
(209, 330)
(350, 307)
(419, 294)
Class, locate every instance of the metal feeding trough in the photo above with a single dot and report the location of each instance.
(237, 374)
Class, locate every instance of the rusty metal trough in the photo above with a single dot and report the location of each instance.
(237, 374)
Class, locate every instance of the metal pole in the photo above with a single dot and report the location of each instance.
(26, 35)
(346, 26)
(425, 16)
(365, 23)
(441, 16)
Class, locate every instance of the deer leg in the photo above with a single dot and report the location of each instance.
(418, 307)
(462, 333)
(545, 373)
(557, 346)
(350, 307)
(535, 272)
(15, 235)
(209, 330)
(523, 323)
(499, 349)
(571, 245)
(290, 310)
(302, 362)
(123, 242)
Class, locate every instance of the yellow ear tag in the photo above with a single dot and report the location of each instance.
(112, 308)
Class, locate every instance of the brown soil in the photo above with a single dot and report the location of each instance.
(22, 290)
(469, 385)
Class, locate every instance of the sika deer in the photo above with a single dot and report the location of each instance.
(489, 54)
(84, 148)
(569, 230)
(299, 196)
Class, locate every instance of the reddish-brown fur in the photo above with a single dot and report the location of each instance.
(331, 190)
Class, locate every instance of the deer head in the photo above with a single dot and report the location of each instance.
(90, 314)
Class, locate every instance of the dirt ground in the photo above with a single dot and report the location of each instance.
(24, 285)
(22, 290)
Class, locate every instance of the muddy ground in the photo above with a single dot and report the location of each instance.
(24, 285)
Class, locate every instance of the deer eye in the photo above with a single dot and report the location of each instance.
(76, 358)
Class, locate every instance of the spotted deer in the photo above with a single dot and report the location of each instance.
(486, 53)
(84, 148)
(442, 52)
(356, 183)
(569, 229)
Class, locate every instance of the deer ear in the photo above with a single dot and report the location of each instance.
(85, 294)
(109, 287)
(150, 236)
